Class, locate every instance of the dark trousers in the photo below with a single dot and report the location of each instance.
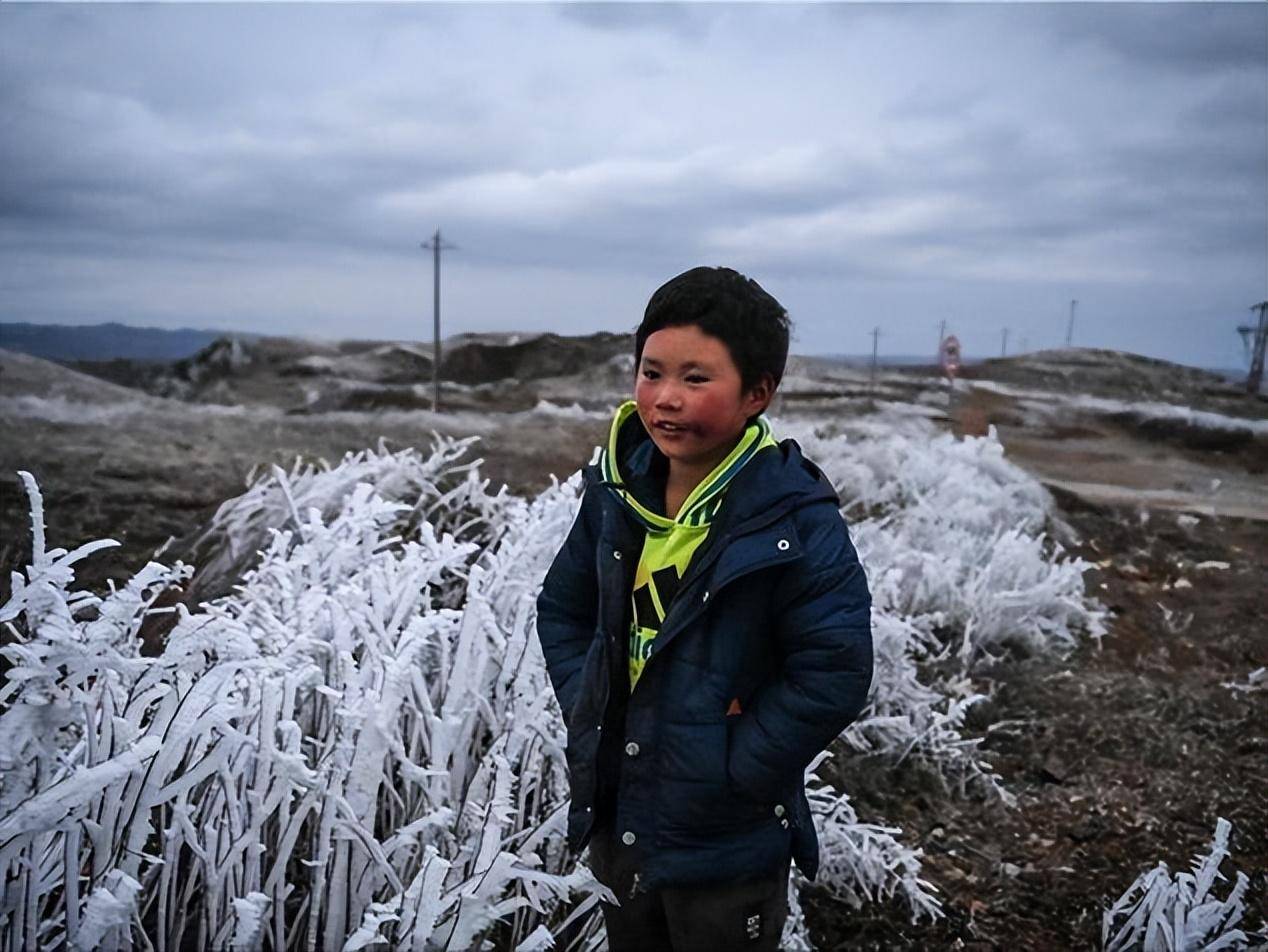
(746, 916)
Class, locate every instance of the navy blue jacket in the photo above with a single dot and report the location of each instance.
(773, 618)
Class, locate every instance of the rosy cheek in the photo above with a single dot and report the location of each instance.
(643, 394)
(709, 413)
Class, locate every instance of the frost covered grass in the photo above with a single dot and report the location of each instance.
(1161, 912)
(357, 746)
(963, 569)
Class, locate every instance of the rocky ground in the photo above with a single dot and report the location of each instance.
(1119, 756)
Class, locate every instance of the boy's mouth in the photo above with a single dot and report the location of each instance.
(665, 426)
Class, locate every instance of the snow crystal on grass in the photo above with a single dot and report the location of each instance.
(1160, 912)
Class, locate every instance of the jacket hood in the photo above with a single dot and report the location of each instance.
(773, 480)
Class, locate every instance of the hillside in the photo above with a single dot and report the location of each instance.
(102, 342)
(478, 371)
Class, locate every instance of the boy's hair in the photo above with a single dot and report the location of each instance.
(726, 305)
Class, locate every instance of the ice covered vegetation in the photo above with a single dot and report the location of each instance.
(1165, 913)
(357, 747)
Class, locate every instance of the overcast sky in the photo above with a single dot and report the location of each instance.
(274, 168)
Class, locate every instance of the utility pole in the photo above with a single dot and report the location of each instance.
(876, 333)
(1003, 347)
(1069, 328)
(1255, 380)
(435, 246)
(942, 334)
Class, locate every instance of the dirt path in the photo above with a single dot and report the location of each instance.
(1117, 461)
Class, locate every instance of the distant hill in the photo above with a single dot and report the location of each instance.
(887, 360)
(64, 342)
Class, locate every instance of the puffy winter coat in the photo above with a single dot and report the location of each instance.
(764, 656)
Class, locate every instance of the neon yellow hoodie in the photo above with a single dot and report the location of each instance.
(670, 543)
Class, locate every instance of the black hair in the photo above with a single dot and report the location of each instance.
(729, 306)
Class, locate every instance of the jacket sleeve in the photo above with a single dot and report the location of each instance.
(567, 607)
(823, 635)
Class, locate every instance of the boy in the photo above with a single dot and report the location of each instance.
(706, 627)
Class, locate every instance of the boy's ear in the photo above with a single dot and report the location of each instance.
(758, 397)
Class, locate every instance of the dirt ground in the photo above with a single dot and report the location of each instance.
(1120, 757)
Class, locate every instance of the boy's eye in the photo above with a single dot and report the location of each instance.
(696, 378)
(650, 374)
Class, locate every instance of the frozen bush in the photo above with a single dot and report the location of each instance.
(955, 542)
(1160, 912)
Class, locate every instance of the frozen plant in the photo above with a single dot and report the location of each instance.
(1160, 912)
(957, 545)
(326, 758)
(440, 488)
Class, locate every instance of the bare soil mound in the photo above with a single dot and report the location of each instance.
(1118, 375)
(542, 355)
(22, 375)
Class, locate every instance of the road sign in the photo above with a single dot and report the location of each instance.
(949, 356)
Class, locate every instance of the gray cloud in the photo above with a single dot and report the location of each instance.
(280, 164)
(683, 19)
(1185, 37)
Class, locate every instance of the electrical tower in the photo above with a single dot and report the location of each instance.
(1255, 380)
(1069, 328)
(435, 246)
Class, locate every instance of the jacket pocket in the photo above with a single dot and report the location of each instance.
(592, 687)
(748, 803)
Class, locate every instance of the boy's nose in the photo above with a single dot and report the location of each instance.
(668, 396)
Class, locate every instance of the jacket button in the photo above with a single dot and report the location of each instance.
(705, 598)
(616, 555)
(779, 809)
(628, 838)
(782, 545)
(632, 749)
(784, 824)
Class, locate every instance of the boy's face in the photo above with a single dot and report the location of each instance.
(689, 396)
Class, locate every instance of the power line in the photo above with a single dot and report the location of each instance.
(435, 246)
